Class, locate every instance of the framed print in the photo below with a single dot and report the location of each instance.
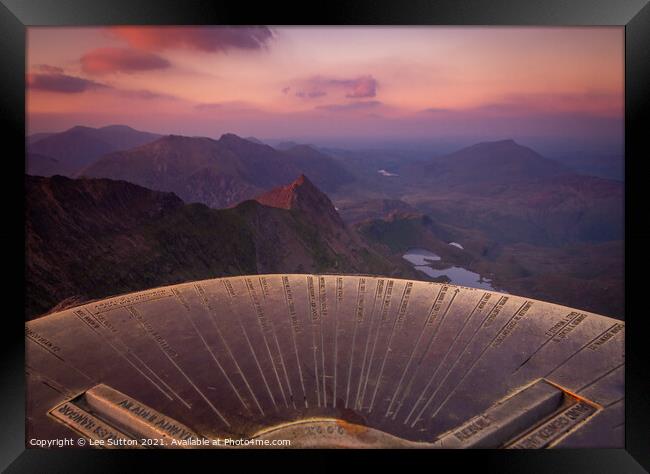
(370, 232)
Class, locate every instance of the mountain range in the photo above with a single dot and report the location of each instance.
(534, 226)
(90, 238)
(218, 173)
(487, 163)
(76, 148)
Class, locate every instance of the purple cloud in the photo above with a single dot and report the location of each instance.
(145, 94)
(361, 87)
(314, 94)
(62, 83)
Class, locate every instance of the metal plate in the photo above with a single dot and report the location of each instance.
(327, 360)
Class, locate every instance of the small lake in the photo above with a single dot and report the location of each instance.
(420, 258)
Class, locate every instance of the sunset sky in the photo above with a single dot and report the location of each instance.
(334, 85)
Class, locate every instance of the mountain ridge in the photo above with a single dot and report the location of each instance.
(218, 173)
(91, 238)
(79, 146)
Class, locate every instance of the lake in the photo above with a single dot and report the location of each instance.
(420, 258)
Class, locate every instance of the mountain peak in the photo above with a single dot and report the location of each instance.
(79, 128)
(302, 180)
(291, 195)
(497, 149)
(231, 137)
(496, 144)
(236, 142)
(118, 127)
(301, 194)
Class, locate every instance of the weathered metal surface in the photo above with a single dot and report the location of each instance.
(327, 360)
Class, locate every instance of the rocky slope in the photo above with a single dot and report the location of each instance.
(91, 238)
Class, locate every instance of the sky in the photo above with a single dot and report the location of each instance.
(561, 87)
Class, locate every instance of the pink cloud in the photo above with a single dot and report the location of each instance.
(235, 106)
(208, 38)
(353, 106)
(109, 60)
(145, 94)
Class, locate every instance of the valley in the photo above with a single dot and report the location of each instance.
(521, 223)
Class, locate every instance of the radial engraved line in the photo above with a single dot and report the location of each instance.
(471, 367)
(582, 348)
(354, 337)
(284, 367)
(530, 357)
(119, 342)
(213, 319)
(600, 377)
(226, 283)
(209, 349)
(60, 358)
(447, 352)
(160, 379)
(311, 296)
(415, 346)
(322, 311)
(378, 291)
(137, 318)
(288, 299)
(121, 354)
(467, 344)
(277, 345)
(618, 400)
(259, 367)
(339, 297)
(258, 315)
(383, 363)
(386, 299)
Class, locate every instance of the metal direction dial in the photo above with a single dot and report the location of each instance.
(326, 361)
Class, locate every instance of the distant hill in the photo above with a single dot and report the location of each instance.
(358, 211)
(218, 173)
(41, 165)
(91, 238)
(34, 137)
(285, 145)
(512, 194)
(79, 146)
(488, 163)
(255, 140)
(601, 165)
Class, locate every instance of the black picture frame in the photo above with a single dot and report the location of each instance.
(634, 15)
